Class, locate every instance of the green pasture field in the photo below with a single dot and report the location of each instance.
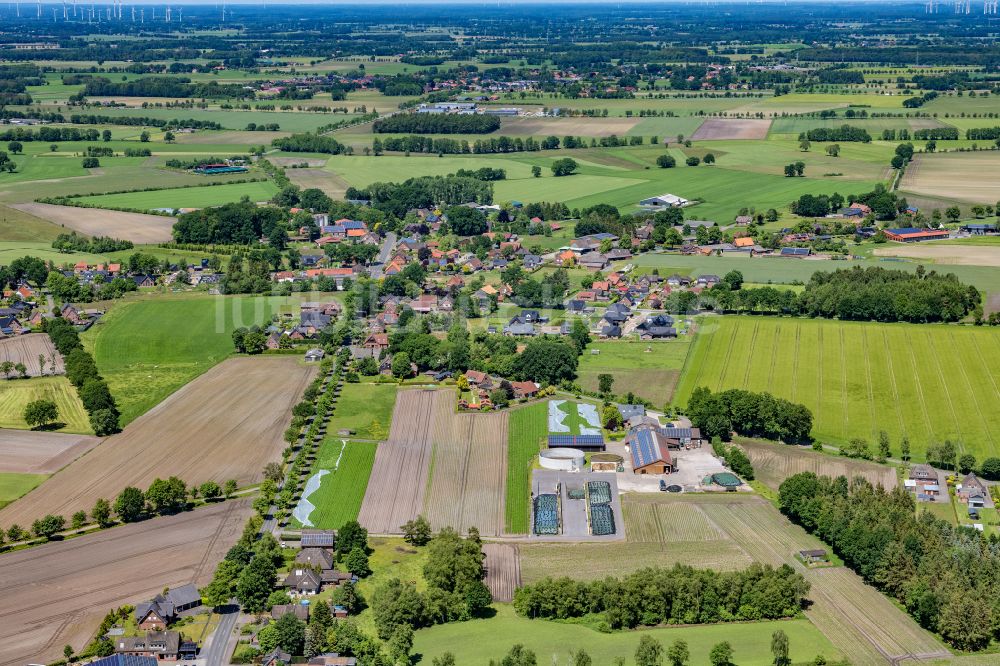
(795, 125)
(480, 642)
(43, 167)
(236, 119)
(648, 369)
(187, 197)
(18, 226)
(339, 496)
(14, 486)
(784, 270)
(526, 428)
(15, 394)
(10, 250)
(666, 127)
(366, 409)
(150, 346)
(926, 382)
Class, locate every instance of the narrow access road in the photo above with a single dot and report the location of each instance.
(383, 256)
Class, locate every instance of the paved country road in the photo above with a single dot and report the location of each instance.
(383, 256)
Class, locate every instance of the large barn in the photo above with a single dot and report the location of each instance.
(649, 452)
(913, 235)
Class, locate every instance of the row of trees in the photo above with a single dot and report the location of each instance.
(947, 577)
(842, 133)
(749, 414)
(436, 123)
(310, 143)
(680, 595)
(81, 370)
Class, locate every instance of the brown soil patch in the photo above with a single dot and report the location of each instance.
(396, 487)
(30, 452)
(732, 128)
(136, 227)
(26, 348)
(503, 570)
(543, 126)
(57, 594)
(224, 425)
(965, 255)
(326, 181)
(773, 463)
(956, 176)
(470, 469)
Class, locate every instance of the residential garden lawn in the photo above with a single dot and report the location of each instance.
(150, 346)
(366, 409)
(929, 382)
(15, 394)
(648, 369)
(941, 508)
(338, 499)
(13, 486)
(390, 558)
(527, 427)
(478, 642)
(186, 197)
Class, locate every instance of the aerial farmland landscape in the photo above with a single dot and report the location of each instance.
(451, 334)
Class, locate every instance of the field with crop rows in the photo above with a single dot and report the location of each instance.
(466, 486)
(526, 430)
(927, 382)
(773, 463)
(398, 480)
(341, 492)
(185, 197)
(650, 519)
(15, 394)
(503, 570)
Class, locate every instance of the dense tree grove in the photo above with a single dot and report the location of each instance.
(424, 192)
(436, 123)
(680, 595)
(81, 370)
(240, 223)
(947, 577)
(163, 86)
(310, 143)
(749, 414)
(842, 133)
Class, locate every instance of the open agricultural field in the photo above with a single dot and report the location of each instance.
(16, 225)
(773, 463)
(503, 570)
(56, 594)
(764, 270)
(11, 250)
(14, 485)
(527, 429)
(398, 480)
(478, 642)
(732, 128)
(325, 181)
(366, 409)
(968, 177)
(235, 119)
(225, 425)
(33, 452)
(186, 197)
(938, 253)
(796, 125)
(580, 126)
(15, 394)
(468, 471)
(149, 347)
(927, 382)
(649, 370)
(26, 349)
(135, 227)
(347, 465)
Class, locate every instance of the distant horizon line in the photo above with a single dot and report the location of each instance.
(469, 3)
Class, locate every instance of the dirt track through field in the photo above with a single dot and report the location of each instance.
(732, 128)
(224, 425)
(57, 594)
(136, 227)
(503, 570)
(469, 471)
(398, 480)
(26, 348)
(32, 452)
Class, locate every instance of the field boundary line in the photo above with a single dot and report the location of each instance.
(750, 353)
(892, 381)
(947, 392)
(729, 354)
(975, 399)
(868, 382)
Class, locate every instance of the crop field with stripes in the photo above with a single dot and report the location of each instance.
(926, 382)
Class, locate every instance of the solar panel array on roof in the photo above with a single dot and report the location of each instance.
(124, 660)
(577, 441)
(676, 433)
(644, 449)
(317, 538)
(795, 251)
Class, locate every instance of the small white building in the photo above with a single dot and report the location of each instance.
(664, 201)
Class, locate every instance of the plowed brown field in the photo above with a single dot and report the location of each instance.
(224, 425)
